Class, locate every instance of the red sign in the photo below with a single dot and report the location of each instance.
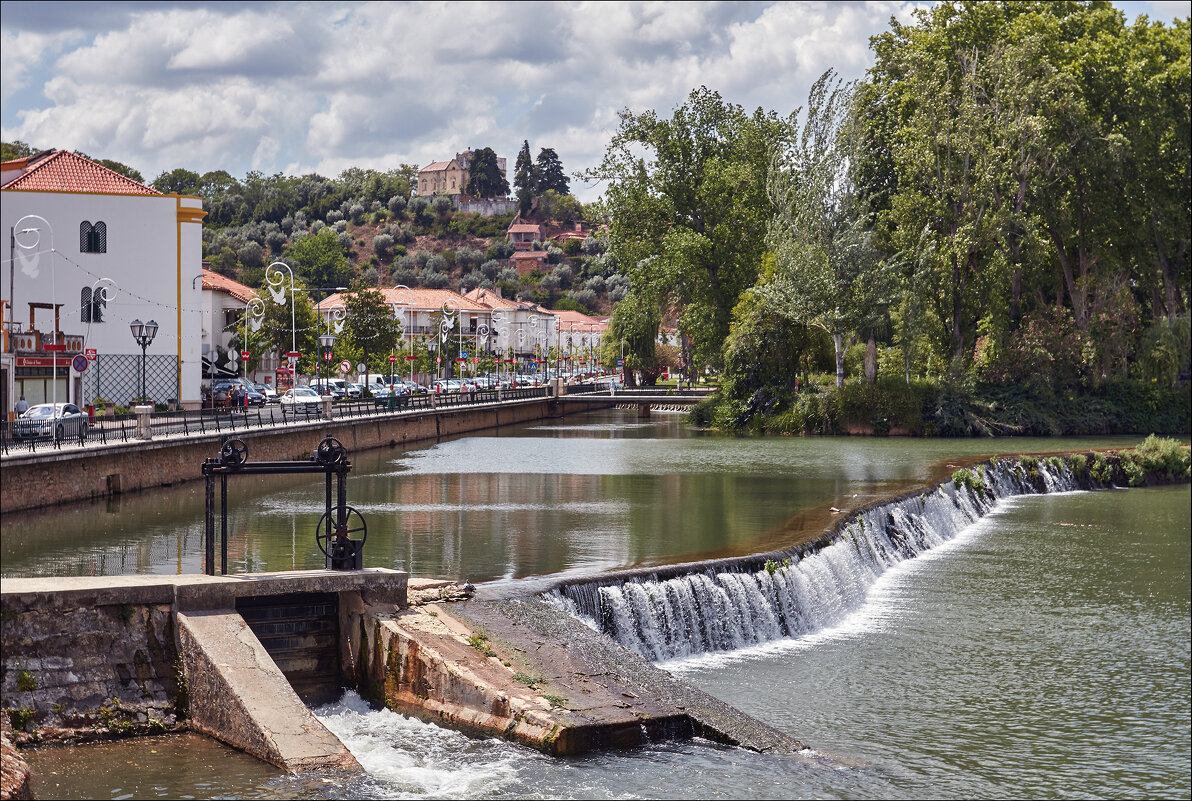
(392, 358)
(58, 348)
(39, 361)
(244, 354)
(91, 354)
(79, 363)
(293, 355)
(411, 358)
(327, 356)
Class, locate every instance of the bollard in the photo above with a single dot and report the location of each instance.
(326, 407)
(144, 430)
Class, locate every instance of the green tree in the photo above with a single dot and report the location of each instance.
(179, 181)
(485, 178)
(369, 325)
(274, 335)
(826, 267)
(123, 169)
(549, 171)
(525, 179)
(319, 260)
(16, 149)
(688, 224)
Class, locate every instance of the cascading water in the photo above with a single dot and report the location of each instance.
(722, 607)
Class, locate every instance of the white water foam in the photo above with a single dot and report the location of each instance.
(411, 759)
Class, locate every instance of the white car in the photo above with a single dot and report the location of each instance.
(300, 396)
(65, 421)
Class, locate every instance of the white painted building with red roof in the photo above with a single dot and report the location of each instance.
(94, 251)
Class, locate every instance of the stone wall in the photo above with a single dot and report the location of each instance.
(51, 477)
(91, 669)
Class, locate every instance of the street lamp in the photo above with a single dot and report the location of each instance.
(29, 266)
(446, 323)
(143, 333)
(399, 314)
(254, 309)
(275, 278)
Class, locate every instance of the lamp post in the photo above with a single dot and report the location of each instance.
(400, 314)
(143, 333)
(446, 323)
(255, 308)
(274, 278)
(29, 266)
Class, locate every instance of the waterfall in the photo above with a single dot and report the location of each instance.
(726, 605)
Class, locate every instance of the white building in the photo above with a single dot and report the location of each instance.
(225, 309)
(87, 252)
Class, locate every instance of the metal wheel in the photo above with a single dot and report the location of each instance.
(234, 452)
(345, 520)
(331, 452)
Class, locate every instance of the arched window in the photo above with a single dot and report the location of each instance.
(91, 305)
(93, 238)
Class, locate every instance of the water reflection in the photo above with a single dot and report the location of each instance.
(581, 495)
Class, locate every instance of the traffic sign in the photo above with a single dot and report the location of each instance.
(345, 366)
(411, 358)
(361, 367)
(91, 354)
(620, 362)
(79, 363)
(463, 354)
(392, 358)
(244, 354)
(293, 355)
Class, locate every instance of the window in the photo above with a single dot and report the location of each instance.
(93, 238)
(91, 306)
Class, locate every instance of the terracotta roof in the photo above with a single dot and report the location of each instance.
(435, 165)
(63, 171)
(221, 283)
(530, 254)
(420, 299)
(525, 228)
(488, 297)
(582, 322)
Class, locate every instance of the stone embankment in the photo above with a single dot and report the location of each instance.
(521, 670)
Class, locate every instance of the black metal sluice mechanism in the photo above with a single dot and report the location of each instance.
(332, 534)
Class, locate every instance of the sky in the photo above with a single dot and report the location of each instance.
(318, 87)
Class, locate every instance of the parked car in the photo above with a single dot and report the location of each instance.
(354, 390)
(221, 392)
(269, 392)
(50, 421)
(300, 397)
(325, 387)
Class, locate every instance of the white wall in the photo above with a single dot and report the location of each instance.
(153, 258)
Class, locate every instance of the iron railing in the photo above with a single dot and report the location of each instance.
(105, 429)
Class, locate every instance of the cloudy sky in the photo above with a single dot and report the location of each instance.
(302, 87)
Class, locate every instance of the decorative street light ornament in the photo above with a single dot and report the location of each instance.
(274, 278)
(143, 333)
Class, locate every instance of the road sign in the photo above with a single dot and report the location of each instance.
(361, 367)
(293, 355)
(244, 354)
(91, 354)
(345, 366)
(411, 358)
(79, 363)
(392, 358)
(463, 354)
(52, 347)
(620, 362)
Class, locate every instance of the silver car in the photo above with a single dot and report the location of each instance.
(50, 421)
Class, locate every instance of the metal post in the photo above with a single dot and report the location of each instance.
(209, 532)
(327, 487)
(223, 524)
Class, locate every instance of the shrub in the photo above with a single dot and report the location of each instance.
(1157, 455)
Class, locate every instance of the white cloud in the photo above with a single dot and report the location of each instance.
(321, 87)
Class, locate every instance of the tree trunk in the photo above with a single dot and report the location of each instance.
(871, 359)
(838, 341)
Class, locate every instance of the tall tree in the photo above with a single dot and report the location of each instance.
(826, 271)
(525, 179)
(485, 178)
(550, 172)
(690, 221)
(179, 181)
(369, 325)
(319, 259)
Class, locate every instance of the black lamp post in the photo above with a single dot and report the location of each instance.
(143, 333)
(326, 344)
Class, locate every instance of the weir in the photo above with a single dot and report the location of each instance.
(685, 610)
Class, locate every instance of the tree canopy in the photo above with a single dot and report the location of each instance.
(485, 178)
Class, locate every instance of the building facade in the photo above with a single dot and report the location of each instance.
(89, 251)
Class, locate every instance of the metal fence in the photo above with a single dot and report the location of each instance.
(108, 429)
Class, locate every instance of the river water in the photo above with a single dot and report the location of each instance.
(1043, 651)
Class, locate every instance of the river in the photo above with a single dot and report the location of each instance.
(1043, 651)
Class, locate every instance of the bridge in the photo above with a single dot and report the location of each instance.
(645, 398)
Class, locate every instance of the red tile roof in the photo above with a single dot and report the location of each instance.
(525, 228)
(582, 322)
(420, 299)
(490, 298)
(435, 165)
(538, 255)
(221, 283)
(63, 171)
